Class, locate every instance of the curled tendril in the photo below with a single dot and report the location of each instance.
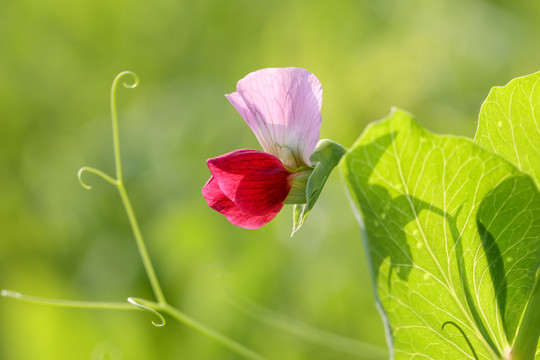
(97, 172)
(126, 85)
(462, 333)
(138, 303)
(114, 115)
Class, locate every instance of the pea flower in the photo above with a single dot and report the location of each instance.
(282, 106)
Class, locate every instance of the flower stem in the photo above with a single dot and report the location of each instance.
(529, 332)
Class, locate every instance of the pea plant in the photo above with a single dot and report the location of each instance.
(451, 225)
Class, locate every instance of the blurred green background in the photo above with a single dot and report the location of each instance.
(436, 59)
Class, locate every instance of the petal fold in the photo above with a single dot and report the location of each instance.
(247, 186)
(221, 203)
(254, 181)
(282, 106)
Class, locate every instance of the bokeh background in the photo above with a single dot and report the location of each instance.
(436, 59)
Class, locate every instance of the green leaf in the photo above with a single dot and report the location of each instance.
(324, 158)
(452, 236)
(509, 123)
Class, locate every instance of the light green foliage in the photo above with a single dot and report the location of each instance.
(434, 58)
(509, 123)
(452, 233)
(324, 158)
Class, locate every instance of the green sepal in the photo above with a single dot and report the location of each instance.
(297, 195)
(324, 159)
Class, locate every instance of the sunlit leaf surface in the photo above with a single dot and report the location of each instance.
(509, 123)
(451, 231)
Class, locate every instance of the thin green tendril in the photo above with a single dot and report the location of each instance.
(147, 305)
(464, 335)
(139, 303)
(124, 74)
(11, 294)
(66, 303)
(116, 142)
(97, 172)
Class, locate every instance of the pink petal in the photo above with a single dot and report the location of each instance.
(221, 203)
(283, 108)
(256, 182)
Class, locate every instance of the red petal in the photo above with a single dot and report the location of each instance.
(255, 181)
(221, 203)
